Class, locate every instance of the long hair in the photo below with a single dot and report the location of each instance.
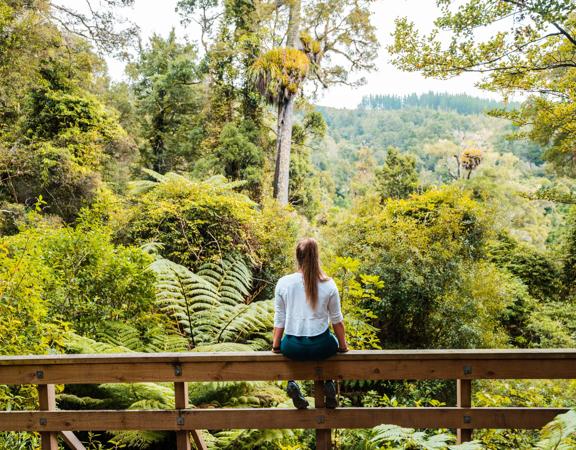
(308, 258)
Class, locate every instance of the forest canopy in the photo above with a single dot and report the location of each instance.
(156, 213)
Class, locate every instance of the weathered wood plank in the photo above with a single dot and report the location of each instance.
(356, 355)
(263, 418)
(149, 370)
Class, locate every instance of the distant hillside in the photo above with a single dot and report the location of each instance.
(460, 103)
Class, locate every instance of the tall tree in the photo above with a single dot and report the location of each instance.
(531, 50)
(168, 101)
(322, 42)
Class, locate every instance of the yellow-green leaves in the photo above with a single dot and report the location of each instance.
(279, 73)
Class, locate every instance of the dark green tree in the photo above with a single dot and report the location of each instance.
(168, 101)
(397, 178)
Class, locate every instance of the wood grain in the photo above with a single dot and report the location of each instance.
(153, 370)
(265, 418)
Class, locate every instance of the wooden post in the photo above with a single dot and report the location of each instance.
(183, 437)
(323, 437)
(47, 397)
(181, 394)
(464, 400)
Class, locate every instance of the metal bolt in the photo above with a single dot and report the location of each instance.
(320, 419)
(467, 419)
(39, 374)
(467, 370)
(180, 420)
(43, 421)
(178, 370)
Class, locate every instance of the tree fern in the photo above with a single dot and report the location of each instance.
(186, 297)
(560, 434)
(212, 306)
(148, 340)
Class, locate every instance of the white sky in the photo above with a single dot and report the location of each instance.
(159, 16)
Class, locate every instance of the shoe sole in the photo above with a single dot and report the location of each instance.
(297, 398)
(330, 393)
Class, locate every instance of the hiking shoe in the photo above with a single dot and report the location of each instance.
(330, 393)
(294, 392)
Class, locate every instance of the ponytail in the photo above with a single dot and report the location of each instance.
(308, 258)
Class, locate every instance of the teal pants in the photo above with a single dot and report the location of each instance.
(309, 348)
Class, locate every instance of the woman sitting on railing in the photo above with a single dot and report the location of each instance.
(305, 303)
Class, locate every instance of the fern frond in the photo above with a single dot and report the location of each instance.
(243, 320)
(185, 296)
(137, 439)
(74, 343)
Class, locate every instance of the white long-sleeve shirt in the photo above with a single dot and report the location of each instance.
(294, 314)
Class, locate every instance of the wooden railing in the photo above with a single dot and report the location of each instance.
(463, 366)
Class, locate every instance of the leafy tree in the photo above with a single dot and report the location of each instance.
(531, 51)
(168, 101)
(201, 221)
(398, 177)
(428, 250)
(298, 44)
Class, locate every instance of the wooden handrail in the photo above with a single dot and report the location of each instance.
(180, 368)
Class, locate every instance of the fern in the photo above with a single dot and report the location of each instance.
(250, 439)
(186, 297)
(559, 434)
(212, 306)
(154, 339)
(409, 438)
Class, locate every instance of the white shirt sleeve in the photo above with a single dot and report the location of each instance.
(334, 307)
(279, 308)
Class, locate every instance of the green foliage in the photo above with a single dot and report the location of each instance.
(398, 177)
(239, 158)
(168, 103)
(428, 252)
(529, 50)
(460, 103)
(193, 220)
(537, 270)
(408, 438)
(212, 306)
(358, 297)
(560, 434)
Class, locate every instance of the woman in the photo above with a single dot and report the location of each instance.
(305, 303)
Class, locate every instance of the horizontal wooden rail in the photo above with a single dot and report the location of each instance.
(263, 418)
(180, 368)
(264, 366)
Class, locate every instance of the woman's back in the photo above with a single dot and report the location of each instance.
(296, 315)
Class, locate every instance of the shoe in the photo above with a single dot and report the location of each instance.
(330, 393)
(294, 392)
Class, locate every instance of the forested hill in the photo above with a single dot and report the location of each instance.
(461, 103)
(410, 129)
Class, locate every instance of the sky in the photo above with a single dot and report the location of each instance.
(153, 16)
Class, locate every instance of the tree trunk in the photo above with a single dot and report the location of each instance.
(292, 34)
(283, 144)
(285, 117)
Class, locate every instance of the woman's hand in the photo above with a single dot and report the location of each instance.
(276, 350)
(343, 349)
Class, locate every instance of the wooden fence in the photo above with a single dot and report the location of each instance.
(463, 366)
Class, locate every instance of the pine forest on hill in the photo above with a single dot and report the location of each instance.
(156, 214)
